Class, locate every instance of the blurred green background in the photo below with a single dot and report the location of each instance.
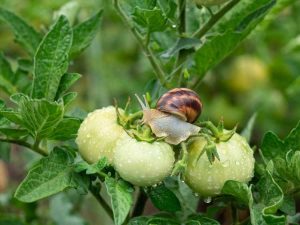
(261, 76)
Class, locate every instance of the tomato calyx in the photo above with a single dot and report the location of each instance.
(133, 125)
(181, 164)
(213, 135)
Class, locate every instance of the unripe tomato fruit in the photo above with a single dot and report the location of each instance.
(98, 134)
(142, 163)
(236, 163)
(247, 73)
(210, 2)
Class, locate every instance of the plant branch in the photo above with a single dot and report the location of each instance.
(33, 147)
(102, 202)
(214, 19)
(160, 74)
(182, 54)
(140, 203)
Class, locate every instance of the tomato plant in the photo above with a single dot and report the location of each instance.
(157, 160)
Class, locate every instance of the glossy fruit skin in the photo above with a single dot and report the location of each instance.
(142, 163)
(236, 163)
(98, 134)
(210, 2)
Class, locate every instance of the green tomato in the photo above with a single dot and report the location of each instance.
(210, 2)
(247, 73)
(142, 163)
(98, 135)
(236, 163)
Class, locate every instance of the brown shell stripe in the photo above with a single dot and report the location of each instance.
(181, 101)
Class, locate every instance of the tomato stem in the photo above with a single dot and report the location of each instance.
(140, 203)
(160, 74)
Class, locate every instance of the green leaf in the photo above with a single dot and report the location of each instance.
(67, 80)
(91, 168)
(294, 220)
(238, 190)
(142, 220)
(145, 4)
(66, 129)
(61, 211)
(159, 219)
(121, 198)
(39, 116)
(25, 34)
(14, 132)
(247, 131)
(164, 199)
(288, 205)
(49, 176)
(150, 20)
(6, 77)
(217, 46)
(201, 220)
(68, 98)
(84, 33)
(182, 43)
(51, 60)
(273, 147)
(269, 199)
(185, 195)
(169, 8)
(12, 116)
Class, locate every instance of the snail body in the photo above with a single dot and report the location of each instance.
(172, 119)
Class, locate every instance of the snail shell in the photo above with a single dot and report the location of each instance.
(169, 119)
(181, 102)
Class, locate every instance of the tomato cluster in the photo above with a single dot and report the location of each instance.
(146, 163)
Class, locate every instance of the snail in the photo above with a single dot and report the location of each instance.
(175, 112)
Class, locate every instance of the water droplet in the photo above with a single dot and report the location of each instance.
(207, 200)
(174, 26)
(182, 181)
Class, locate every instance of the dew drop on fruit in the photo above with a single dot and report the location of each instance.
(207, 200)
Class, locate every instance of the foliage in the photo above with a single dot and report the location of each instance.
(35, 113)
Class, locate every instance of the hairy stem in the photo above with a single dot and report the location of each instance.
(214, 19)
(140, 204)
(33, 147)
(95, 192)
(182, 54)
(160, 74)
